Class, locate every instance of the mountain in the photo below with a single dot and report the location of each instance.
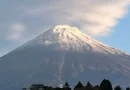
(61, 54)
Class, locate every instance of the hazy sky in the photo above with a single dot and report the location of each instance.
(105, 20)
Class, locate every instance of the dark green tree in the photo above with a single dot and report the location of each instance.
(89, 85)
(106, 85)
(37, 87)
(117, 88)
(66, 84)
(79, 85)
(96, 87)
(24, 88)
(127, 88)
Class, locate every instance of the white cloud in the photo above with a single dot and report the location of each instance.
(16, 31)
(96, 17)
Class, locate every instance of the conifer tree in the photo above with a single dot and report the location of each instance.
(79, 85)
(106, 85)
(117, 88)
(66, 84)
(89, 84)
(127, 88)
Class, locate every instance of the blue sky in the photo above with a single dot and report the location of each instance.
(106, 20)
(120, 38)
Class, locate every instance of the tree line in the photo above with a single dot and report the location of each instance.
(105, 85)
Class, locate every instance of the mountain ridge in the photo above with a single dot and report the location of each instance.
(56, 34)
(53, 58)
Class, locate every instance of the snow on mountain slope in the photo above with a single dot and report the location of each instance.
(61, 54)
(70, 38)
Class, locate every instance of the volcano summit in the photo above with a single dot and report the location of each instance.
(61, 54)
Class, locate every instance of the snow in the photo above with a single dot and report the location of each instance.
(47, 42)
(90, 55)
(71, 38)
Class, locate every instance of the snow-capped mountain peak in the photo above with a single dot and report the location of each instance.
(66, 32)
(65, 37)
(61, 54)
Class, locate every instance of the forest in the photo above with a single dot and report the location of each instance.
(105, 85)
